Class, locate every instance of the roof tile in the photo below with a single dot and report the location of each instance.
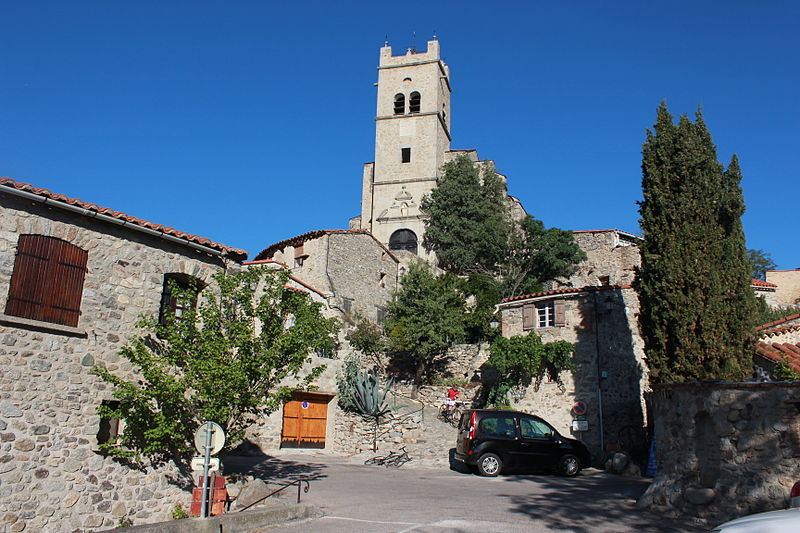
(235, 253)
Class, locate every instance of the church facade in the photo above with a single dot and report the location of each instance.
(412, 142)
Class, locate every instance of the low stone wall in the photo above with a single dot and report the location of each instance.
(724, 450)
(355, 434)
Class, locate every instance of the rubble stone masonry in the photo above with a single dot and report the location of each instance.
(52, 476)
(724, 450)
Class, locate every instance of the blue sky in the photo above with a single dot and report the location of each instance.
(247, 122)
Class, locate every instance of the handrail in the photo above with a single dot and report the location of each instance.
(298, 482)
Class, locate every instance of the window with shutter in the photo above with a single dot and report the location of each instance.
(528, 316)
(178, 296)
(47, 281)
(559, 314)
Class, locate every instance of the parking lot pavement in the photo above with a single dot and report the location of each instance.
(358, 498)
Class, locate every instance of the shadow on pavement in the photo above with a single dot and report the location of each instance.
(256, 463)
(590, 502)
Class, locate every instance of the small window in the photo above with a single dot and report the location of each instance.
(545, 315)
(414, 102)
(399, 104)
(110, 427)
(497, 426)
(47, 281)
(298, 261)
(178, 296)
(604, 280)
(382, 279)
(405, 155)
(347, 305)
(534, 429)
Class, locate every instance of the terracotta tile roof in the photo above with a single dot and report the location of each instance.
(568, 290)
(778, 331)
(637, 237)
(778, 322)
(270, 250)
(780, 352)
(761, 283)
(235, 253)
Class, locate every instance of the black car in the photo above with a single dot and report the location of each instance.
(490, 441)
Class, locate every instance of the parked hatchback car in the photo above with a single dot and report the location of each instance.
(491, 441)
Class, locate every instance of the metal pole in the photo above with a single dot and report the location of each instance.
(206, 464)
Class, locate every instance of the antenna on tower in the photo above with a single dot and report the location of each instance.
(386, 40)
(413, 42)
(435, 38)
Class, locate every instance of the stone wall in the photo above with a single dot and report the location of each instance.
(610, 374)
(724, 450)
(788, 282)
(611, 258)
(52, 477)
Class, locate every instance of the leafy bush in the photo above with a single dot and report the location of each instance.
(522, 359)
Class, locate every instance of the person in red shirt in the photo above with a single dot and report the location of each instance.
(452, 395)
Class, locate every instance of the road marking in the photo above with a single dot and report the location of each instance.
(415, 524)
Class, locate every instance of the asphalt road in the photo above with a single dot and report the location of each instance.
(357, 498)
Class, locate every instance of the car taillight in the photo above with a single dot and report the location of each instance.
(472, 426)
(794, 495)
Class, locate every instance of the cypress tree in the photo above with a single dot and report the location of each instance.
(697, 309)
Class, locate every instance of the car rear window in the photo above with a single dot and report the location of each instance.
(497, 426)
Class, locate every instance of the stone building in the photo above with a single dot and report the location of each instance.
(596, 309)
(354, 271)
(74, 277)
(788, 286)
(766, 290)
(412, 142)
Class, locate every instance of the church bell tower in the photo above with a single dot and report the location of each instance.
(412, 139)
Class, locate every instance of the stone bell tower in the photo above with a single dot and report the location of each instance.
(412, 142)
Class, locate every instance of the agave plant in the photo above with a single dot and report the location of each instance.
(368, 398)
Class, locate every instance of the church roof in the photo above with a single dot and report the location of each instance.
(117, 217)
(270, 250)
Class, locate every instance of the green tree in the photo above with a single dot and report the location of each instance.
(521, 359)
(367, 337)
(423, 318)
(536, 254)
(225, 360)
(760, 262)
(472, 231)
(468, 219)
(697, 308)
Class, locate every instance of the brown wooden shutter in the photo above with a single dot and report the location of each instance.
(298, 251)
(559, 313)
(47, 281)
(528, 316)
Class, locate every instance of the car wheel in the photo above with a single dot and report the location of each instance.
(569, 466)
(489, 465)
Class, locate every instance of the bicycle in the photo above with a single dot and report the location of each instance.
(391, 457)
(451, 414)
(400, 460)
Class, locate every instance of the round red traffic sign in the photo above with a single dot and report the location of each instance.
(579, 408)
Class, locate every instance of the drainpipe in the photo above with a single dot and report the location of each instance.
(599, 373)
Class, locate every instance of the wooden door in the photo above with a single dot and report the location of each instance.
(305, 420)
